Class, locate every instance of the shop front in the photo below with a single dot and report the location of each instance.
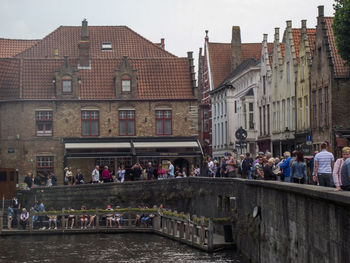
(85, 154)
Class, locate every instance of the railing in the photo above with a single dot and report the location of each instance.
(194, 231)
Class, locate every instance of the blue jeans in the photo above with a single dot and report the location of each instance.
(287, 179)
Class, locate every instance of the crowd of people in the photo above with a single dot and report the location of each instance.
(320, 170)
(106, 175)
(70, 220)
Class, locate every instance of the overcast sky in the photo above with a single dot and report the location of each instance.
(181, 22)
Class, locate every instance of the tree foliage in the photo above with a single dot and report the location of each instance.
(341, 28)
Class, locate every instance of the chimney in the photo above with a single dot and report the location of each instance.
(303, 23)
(289, 23)
(265, 38)
(236, 49)
(193, 74)
(84, 29)
(84, 46)
(320, 11)
(277, 34)
(206, 36)
(162, 43)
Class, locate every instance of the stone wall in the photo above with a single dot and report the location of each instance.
(296, 223)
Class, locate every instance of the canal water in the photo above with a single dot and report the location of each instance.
(104, 248)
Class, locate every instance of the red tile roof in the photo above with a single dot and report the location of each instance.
(11, 47)
(125, 42)
(9, 78)
(282, 51)
(220, 61)
(311, 34)
(296, 39)
(220, 58)
(158, 78)
(340, 68)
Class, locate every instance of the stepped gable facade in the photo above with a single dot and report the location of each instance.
(216, 63)
(330, 92)
(264, 97)
(90, 95)
(304, 59)
(283, 89)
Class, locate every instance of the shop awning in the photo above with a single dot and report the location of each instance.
(98, 145)
(169, 144)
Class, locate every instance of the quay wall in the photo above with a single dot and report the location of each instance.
(294, 223)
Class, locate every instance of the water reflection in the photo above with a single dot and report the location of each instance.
(104, 248)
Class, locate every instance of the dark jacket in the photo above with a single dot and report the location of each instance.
(268, 173)
(28, 181)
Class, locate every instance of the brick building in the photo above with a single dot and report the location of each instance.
(91, 95)
(330, 93)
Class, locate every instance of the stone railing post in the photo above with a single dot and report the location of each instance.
(168, 225)
(156, 222)
(193, 228)
(181, 232)
(202, 231)
(210, 235)
(129, 217)
(97, 219)
(63, 222)
(1, 221)
(30, 220)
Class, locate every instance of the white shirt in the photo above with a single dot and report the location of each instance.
(96, 175)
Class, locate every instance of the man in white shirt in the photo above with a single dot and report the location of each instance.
(95, 176)
(324, 163)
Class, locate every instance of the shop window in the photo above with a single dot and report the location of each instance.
(43, 123)
(126, 122)
(163, 122)
(90, 123)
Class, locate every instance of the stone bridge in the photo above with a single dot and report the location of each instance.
(271, 221)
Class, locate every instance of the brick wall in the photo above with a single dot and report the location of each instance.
(18, 128)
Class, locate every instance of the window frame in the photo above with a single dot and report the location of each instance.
(71, 86)
(126, 78)
(163, 119)
(47, 168)
(127, 120)
(90, 120)
(44, 121)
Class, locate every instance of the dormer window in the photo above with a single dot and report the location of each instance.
(67, 86)
(106, 46)
(126, 85)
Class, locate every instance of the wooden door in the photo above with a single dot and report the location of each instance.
(8, 181)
